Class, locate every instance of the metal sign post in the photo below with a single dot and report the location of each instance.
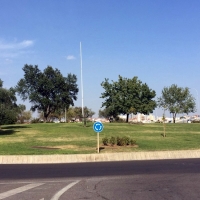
(98, 127)
(97, 142)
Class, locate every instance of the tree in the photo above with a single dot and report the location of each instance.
(105, 113)
(87, 112)
(109, 113)
(23, 114)
(57, 114)
(27, 115)
(76, 113)
(47, 91)
(21, 109)
(8, 106)
(127, 96)
(177, 100)
(70, 113)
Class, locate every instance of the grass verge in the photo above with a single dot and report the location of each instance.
(52, 138)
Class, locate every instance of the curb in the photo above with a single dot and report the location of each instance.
(105, 157)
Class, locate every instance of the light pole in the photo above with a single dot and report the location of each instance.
(81, 79)
(83, 114)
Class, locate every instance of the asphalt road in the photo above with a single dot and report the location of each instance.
(157, 180)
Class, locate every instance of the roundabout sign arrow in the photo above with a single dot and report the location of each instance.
(98, 127)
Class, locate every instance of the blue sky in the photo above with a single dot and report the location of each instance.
(158, 41)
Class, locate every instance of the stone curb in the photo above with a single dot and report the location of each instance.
(78, 158)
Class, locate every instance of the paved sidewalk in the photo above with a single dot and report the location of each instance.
(101, 157)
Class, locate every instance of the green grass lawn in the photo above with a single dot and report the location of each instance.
(69, 138)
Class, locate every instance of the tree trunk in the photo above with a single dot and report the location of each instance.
(127, 116)
(45, 117)
(164, 129)
(46, 114)
(174, 117)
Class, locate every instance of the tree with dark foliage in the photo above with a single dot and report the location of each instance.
(47, 91)
(8, 106)
(127, 96)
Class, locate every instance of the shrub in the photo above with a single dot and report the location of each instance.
(35, 120)
(195, 121)
(132, 142)
(126, 140)
(118, 141)
(137, 123)
(105, 141)
(120, 120)
(121, 141)
(112, 141)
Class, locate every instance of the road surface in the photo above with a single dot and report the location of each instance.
(156, 180)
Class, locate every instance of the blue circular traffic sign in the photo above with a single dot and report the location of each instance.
(98, 127)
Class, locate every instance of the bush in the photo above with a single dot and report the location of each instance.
(119, 120)
(121, 141)
(35, 120)
(112, 141)
(132, 142)
(137, 123)
(195, 121)
(118, 141)
(127, 140)
(105, 141)
(7, 117)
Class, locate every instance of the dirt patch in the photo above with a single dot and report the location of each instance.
(67, 147)
(39, 147)
(61, 139)
(117, 148)
(61, 147)
(102, 148)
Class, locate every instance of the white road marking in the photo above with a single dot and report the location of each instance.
(28, 182)
(59, 193)
(19, 190)
(42, 199)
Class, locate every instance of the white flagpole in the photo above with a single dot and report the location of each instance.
(81, 79)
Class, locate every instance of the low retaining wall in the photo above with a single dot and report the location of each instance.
(102, 157)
